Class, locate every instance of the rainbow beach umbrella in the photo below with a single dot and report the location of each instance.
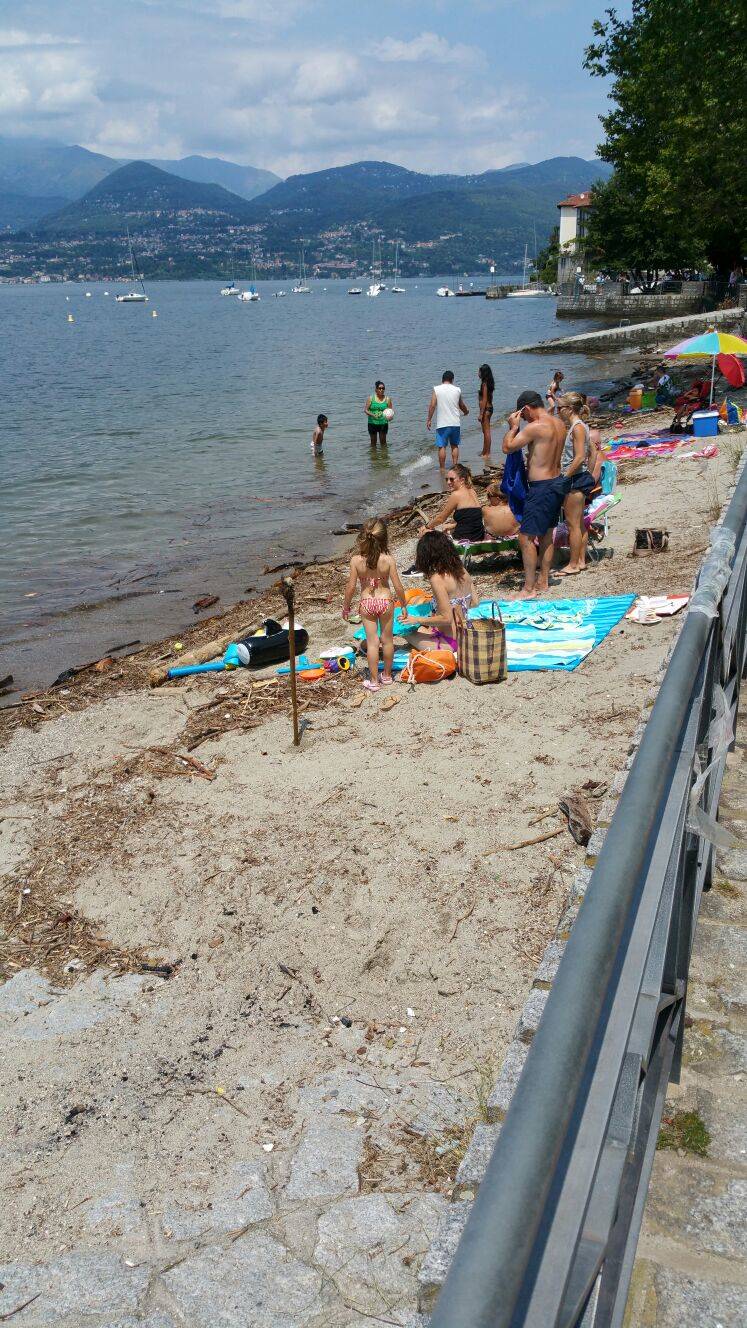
(707, 346)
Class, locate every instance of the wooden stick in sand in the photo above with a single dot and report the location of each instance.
(287, 590)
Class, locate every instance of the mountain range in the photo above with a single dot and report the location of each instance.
(35, 168)
(185, 227)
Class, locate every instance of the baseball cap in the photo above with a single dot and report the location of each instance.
(528, 399)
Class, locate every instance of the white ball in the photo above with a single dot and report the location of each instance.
(388, 413)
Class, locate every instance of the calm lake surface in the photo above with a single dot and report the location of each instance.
(147, 461)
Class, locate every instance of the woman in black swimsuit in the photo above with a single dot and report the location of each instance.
(485, 409)
(461, 514)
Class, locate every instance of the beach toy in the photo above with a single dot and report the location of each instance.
(273, 645)
(388, 413)
(338, 665)
(304, 667)
(337, 652)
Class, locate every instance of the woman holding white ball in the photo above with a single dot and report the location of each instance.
(379, 411)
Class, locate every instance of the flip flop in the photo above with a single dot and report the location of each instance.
(371, 686)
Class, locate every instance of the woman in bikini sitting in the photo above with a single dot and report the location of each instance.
(452, 589)
(498, 519)
(374, 568)
(461, 514)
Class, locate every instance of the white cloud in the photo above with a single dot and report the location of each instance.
(12, 37)
(428, 47)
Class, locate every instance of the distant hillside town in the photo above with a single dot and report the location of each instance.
(66, 213)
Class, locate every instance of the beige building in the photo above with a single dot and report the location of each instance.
(574, 214)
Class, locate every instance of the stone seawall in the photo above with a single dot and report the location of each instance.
(636, 334)
(606, 305)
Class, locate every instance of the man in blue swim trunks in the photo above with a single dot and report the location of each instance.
(543, 436)
(447, 405)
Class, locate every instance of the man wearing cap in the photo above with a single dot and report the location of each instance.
(543, 437)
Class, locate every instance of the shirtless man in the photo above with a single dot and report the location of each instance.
(543, 437)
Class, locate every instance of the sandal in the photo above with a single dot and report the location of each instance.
(386, 680)
(370, 686)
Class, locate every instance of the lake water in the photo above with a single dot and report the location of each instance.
(147, 461)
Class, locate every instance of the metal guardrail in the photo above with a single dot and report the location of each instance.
(552, 1234)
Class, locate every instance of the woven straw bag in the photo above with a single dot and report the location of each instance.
(481, 648)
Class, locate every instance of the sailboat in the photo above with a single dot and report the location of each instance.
(133, 296)
(376, 286)
(397, 290)
(231, 288)
(525, 291)
(301, 288)
(251, 294)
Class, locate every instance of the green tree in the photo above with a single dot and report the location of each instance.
(547, 259)
(676, 136)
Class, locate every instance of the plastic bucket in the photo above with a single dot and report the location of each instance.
(649, 399)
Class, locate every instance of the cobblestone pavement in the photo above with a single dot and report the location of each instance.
(291, 1240)
(691, 1270)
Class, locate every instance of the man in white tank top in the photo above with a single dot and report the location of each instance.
(448, 406)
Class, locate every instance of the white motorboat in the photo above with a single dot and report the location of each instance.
(230, 290)
(133, 296)
(444, 291)
(375, 289)
(355, 290)
(301, 288)
(280, 294)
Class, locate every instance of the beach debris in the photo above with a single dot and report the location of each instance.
(6, 683)
(524, 843)
(578, 814)
(103, 664)
(126, 645)
(205, 602)
(201, 654)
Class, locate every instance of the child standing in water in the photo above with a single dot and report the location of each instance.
(317, 437)
(374, 568)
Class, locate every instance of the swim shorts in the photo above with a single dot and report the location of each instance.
(582, 482)
(374, 429)
(451, 436)
(542, 506)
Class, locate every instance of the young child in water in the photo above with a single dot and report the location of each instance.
(374, 569)
(317, 437)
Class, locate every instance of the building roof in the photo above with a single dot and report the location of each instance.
(576, 200)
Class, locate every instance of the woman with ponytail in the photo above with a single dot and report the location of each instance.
(461, 514)
(374, 569)
(575, 462)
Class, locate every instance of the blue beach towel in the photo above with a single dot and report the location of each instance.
(554, 633)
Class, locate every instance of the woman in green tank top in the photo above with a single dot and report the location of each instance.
(378, 422)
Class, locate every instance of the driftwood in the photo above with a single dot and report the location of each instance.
(200, 655)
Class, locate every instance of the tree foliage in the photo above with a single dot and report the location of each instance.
(547, 259)
(676, 135)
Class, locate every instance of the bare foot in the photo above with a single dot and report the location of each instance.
(570, 571)
(528, 594)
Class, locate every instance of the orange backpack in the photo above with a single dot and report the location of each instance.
(429, 666)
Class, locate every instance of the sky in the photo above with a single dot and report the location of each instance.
(299, 85)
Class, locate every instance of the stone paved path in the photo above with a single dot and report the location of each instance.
(691, 1270)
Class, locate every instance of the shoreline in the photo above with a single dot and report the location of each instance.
(134, 614)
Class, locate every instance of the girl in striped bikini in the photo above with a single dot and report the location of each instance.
(374, 568)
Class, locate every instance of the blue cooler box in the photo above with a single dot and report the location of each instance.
(705, 423)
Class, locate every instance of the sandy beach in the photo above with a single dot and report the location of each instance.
(220, 976)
